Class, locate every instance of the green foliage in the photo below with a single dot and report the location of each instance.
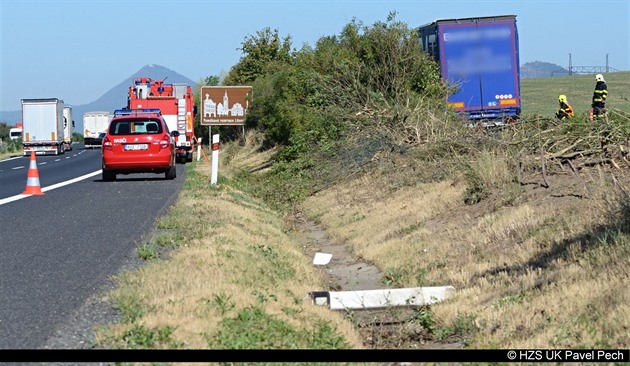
(514, 299)
(261, 53)
(367, 83)
(275, 267)
(394, 276)
(254, 328)
(168, 240)
(77, 137)
(4, 131)
(11, 146)
(129, 303)
(141, 337)
(308, 97)
(374, 66)
(476, 187)
(463, 328)
(212, 80)
(147, 252)
(425, 317)
(222, 302)
(8, 146)
(289, 180)
(281, 109)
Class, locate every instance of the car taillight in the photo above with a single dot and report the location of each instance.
(165, 142)
(107, 145)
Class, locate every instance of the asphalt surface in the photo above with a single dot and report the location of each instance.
(52, 169)
(59, 251)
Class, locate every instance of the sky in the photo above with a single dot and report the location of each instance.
(77, 50)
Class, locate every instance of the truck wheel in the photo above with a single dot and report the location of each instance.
(189, 157)
(171, 173)
(108, 176)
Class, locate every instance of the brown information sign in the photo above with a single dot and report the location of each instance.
(224, 105)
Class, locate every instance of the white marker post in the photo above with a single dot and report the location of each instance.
(215, 160)
(199, 149)
(382, 299)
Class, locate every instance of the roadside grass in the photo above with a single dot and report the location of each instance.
(533, 272)
(533, 267)
(6, 155)
(234, 280)
(457, 212)
(10, 148)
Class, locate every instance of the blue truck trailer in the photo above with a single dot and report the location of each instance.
(479, 57)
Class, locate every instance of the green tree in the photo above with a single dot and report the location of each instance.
(262, 53)
(372, 77)
(212, 80)
(4, 131)
(374, 66)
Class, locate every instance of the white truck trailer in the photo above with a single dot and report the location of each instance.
(42, 125)
(95, 123)
(68, 127)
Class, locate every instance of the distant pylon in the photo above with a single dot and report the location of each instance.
(32, 180)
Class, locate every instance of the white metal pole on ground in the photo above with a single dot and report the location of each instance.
(215, 159)
(199, 149)
(383, 298)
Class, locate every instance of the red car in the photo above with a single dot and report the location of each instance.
(138, 141)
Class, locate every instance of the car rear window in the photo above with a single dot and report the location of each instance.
(135, 127)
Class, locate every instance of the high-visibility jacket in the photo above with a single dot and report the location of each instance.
(600, 94)
(565, 110)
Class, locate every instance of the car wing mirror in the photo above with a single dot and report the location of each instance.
(174, 133)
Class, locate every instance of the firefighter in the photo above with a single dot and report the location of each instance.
(565, 110)
(599, 96)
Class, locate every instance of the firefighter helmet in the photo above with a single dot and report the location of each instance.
(599, 77)
(562, 98)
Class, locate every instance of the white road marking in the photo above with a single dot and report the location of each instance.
(42, 163)
(15, 157)
(49, 188)
(17, 167)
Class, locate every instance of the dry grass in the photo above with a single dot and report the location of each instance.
(548, 271)
(240, 258)
(247, 155)
(382, 228)
(544, 269)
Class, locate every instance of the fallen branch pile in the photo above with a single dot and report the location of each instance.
(545, 145)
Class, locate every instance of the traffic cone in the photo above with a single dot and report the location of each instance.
(32, 182)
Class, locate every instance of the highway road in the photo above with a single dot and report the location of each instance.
(58, 249)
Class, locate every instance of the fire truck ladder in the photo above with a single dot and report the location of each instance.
(181, 121)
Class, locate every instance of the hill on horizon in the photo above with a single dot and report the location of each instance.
(539, 69)
(115, 98)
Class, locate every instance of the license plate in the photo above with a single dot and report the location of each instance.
(136, 146)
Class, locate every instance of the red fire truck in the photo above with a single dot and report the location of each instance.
(176, 104)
